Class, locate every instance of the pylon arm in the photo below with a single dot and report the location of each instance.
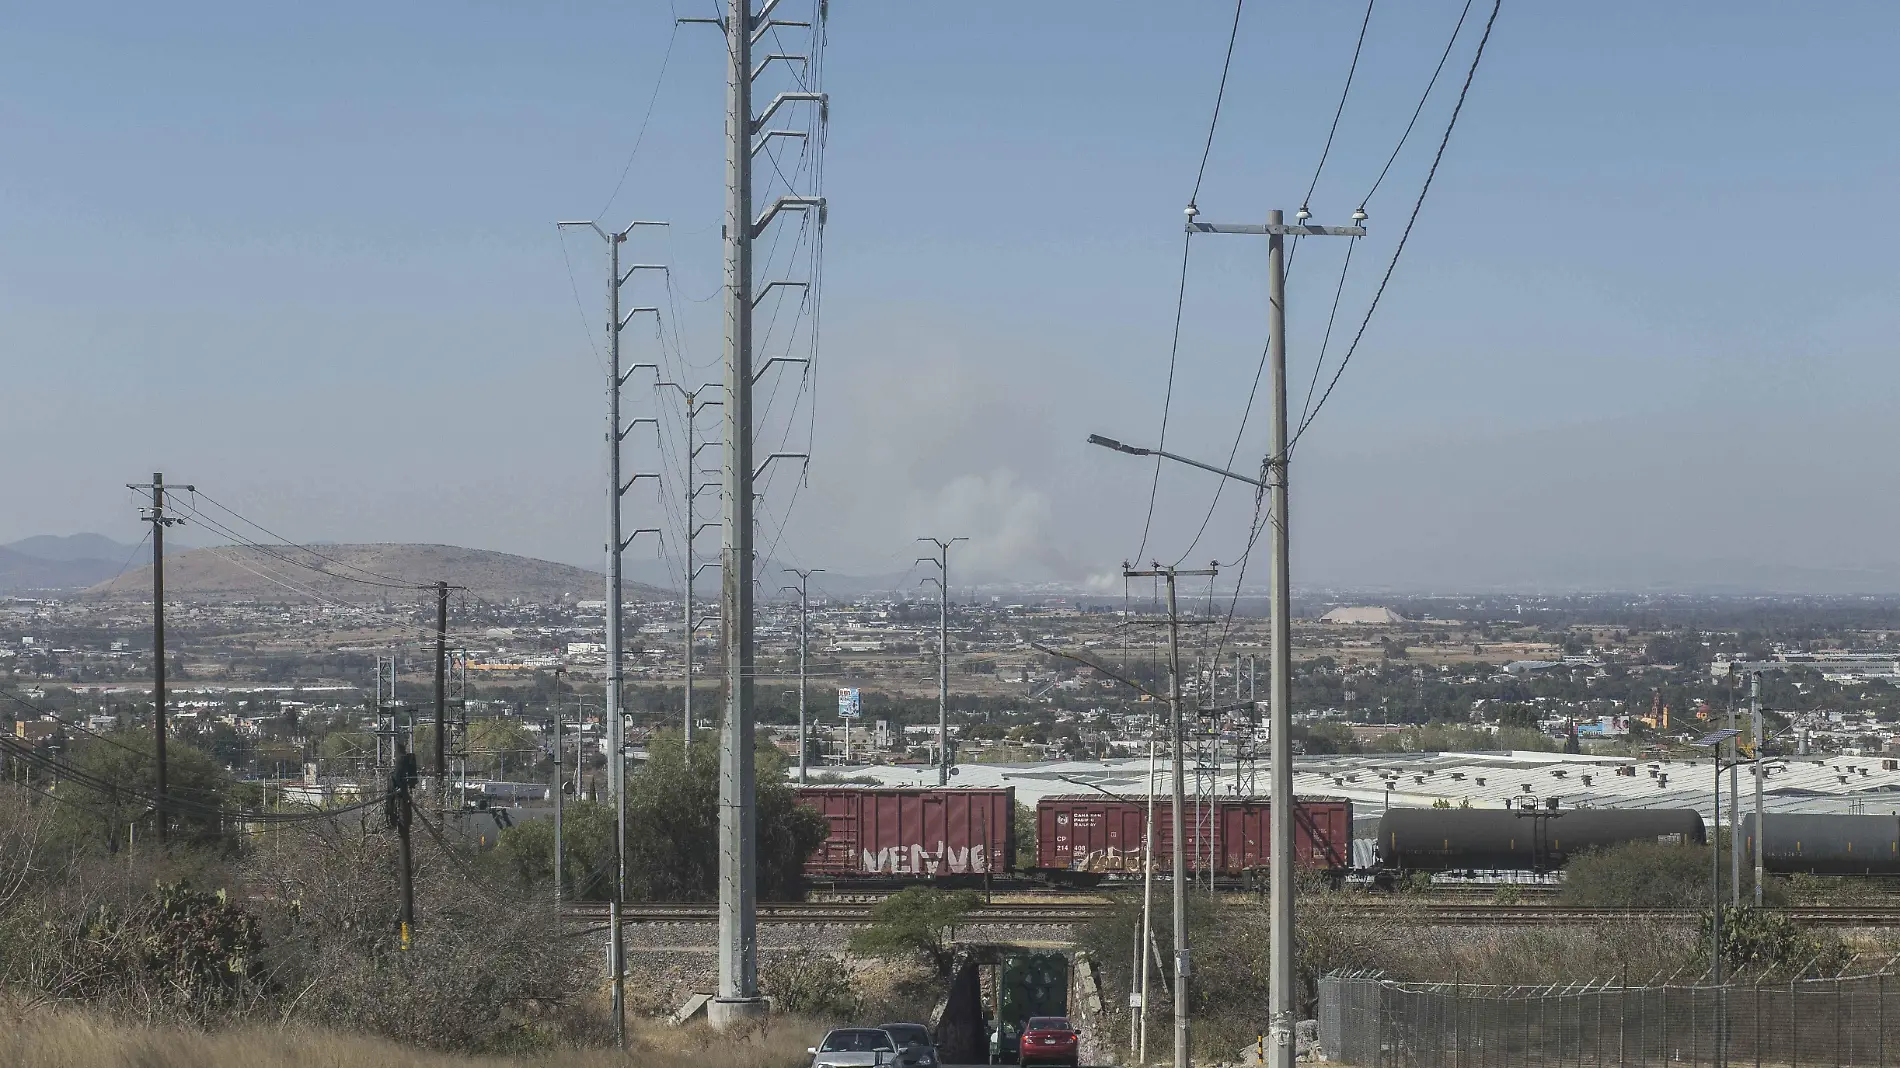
(631, 312)
(641, 267)
(766, 137)
(629, 485)
(760, 473)
(637, 533)
(767, 365)
(788, 203)
(762, 26)
(770, 286)
(784, 57)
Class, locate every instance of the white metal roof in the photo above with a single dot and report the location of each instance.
(1794, 784)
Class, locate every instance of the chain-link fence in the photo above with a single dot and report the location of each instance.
(1827, 1023)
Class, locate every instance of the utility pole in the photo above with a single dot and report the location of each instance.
(1761, 769)
(1179, 806)
(738, 995)
(1734, 811)
(401, 811)
(155, 514)
(1281, 994)
(693, 529)
(804, 606)
(942, 579)
(560, 787)
(617, 432)
(1147, 889)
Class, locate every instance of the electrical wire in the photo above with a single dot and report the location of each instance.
(1220, 94)
(1417, 206)
(1167, 396)
(1327, 340)
(374, 577)
(172, 803)
(1357, 47)
(640, 138)
(1417, 111)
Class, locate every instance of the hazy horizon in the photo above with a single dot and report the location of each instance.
(1641, 337)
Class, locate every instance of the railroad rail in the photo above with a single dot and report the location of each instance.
(1391, 910)
(835, 912)
(1428, 914)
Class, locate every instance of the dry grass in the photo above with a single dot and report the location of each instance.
(66, 1039)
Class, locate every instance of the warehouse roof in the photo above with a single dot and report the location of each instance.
(1794, 784)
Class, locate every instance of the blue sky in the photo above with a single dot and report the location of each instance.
(1643, 328)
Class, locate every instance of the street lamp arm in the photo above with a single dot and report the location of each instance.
(1136, 450)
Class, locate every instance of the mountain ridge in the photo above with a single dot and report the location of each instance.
(360, 573)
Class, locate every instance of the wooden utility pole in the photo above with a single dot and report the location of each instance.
(155, 514)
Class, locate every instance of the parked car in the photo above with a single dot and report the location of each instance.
(1049, 1040)
(855, 1047)
(918, 1049)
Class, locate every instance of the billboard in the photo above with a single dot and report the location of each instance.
(847, 703)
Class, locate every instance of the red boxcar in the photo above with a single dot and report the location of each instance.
(913, 831)
(1094, 834)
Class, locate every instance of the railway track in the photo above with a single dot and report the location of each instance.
(1419, 913)
(1459, 915)
(827, 912)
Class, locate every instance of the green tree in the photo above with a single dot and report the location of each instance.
(1025, 837)
(526, 851)
(125, 760)
(672, 831)
(917, 920)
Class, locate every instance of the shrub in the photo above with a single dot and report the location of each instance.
(917, 920)
(810, 983)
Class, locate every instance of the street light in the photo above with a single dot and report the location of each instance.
(1280, 720)
(1136, 450)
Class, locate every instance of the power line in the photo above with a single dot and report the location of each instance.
(1326, 342)
(1167, 397)
(1219, 94)
(1416, 112)
(1417, 206)
(1338, 111)
(640, 138)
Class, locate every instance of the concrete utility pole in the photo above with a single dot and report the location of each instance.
(560, 788)
(617, 432)
(1281, 993)
(942, 560)
(155, 515)
(693, 528)
(1734, 812)
(1179, 805)
(1147, 890)
(738, 996)
(804, 606)
(1761, 772)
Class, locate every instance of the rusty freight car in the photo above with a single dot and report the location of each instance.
(912, 833)
(1090, 836)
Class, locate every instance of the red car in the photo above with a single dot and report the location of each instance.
(1049, 1040)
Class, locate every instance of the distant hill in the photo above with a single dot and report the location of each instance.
(24, 573)
(358, 574)
(70, 547)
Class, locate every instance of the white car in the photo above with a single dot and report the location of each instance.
(855, 1047)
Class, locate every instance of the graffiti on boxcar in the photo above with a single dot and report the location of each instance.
(916, 860)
